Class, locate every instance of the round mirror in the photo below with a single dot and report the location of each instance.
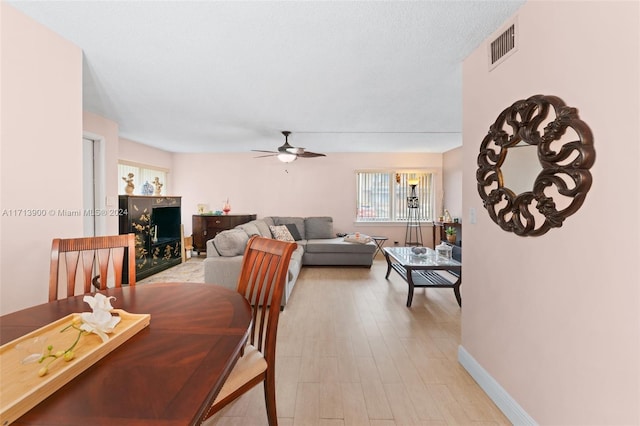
(520, 168)
(543, 188)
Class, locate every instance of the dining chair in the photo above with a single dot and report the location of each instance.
(96, 253)
(262, 279)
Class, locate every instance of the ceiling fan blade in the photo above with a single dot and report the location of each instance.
(308, 154)
(289, 150)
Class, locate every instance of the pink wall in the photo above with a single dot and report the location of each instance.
(555, 320)
(452, 166)
(144, 154)
(41, 153)
(306, 187)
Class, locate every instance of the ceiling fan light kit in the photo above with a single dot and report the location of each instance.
(287, 153)
(287, 158)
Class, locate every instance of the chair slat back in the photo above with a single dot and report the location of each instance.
(91, 251)
(262, 280)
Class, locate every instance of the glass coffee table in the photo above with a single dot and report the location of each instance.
(421, 270)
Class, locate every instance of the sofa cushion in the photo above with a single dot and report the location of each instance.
(269, 220)
(297, 221)
(293, 230)
(263, 227)
(250, 228)
(231, 242)
(211, 249)
(318, 227)
(280, 232)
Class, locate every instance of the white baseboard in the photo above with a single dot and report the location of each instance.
(509, 407)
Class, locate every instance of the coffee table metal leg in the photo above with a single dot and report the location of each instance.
(386, 256)
(456, 291)
(411, 287)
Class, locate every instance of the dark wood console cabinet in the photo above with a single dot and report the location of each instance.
(155, 221)
(205, 227)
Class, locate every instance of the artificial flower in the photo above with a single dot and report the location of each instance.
(99, 302)
(99, 322)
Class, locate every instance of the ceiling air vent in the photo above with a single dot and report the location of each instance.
(503, 45)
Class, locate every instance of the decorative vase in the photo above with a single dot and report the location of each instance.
(226, 207)
(147, 188)
(451, 238)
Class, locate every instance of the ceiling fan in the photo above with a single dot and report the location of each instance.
(287, 153)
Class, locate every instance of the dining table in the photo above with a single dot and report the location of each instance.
(168, 373)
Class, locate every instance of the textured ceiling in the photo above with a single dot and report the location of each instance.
(189, 76)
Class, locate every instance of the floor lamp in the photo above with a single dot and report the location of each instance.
(413, 235)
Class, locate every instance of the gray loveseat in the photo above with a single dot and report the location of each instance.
(317, 245)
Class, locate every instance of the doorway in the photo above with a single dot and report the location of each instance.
(92, 186)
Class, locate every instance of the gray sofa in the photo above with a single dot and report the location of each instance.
(317, 245)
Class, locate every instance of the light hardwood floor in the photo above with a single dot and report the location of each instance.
(351, 353)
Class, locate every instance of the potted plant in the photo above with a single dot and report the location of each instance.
(451, 234)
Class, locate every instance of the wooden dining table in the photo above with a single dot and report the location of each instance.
(169, 373)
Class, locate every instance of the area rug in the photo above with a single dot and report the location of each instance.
(190, 271)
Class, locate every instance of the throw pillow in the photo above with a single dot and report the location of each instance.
(263, 227)
(280, 232)
(231, 242)
(358, 238)
(250, 228)
(297, 221)
(293, 230)
(318, 227)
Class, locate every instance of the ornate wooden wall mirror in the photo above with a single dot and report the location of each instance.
(544, 136)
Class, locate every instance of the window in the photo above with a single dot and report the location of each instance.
(383, 196)
(141, 175)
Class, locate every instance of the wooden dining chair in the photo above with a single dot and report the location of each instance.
(262, 279)
(96, 253)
